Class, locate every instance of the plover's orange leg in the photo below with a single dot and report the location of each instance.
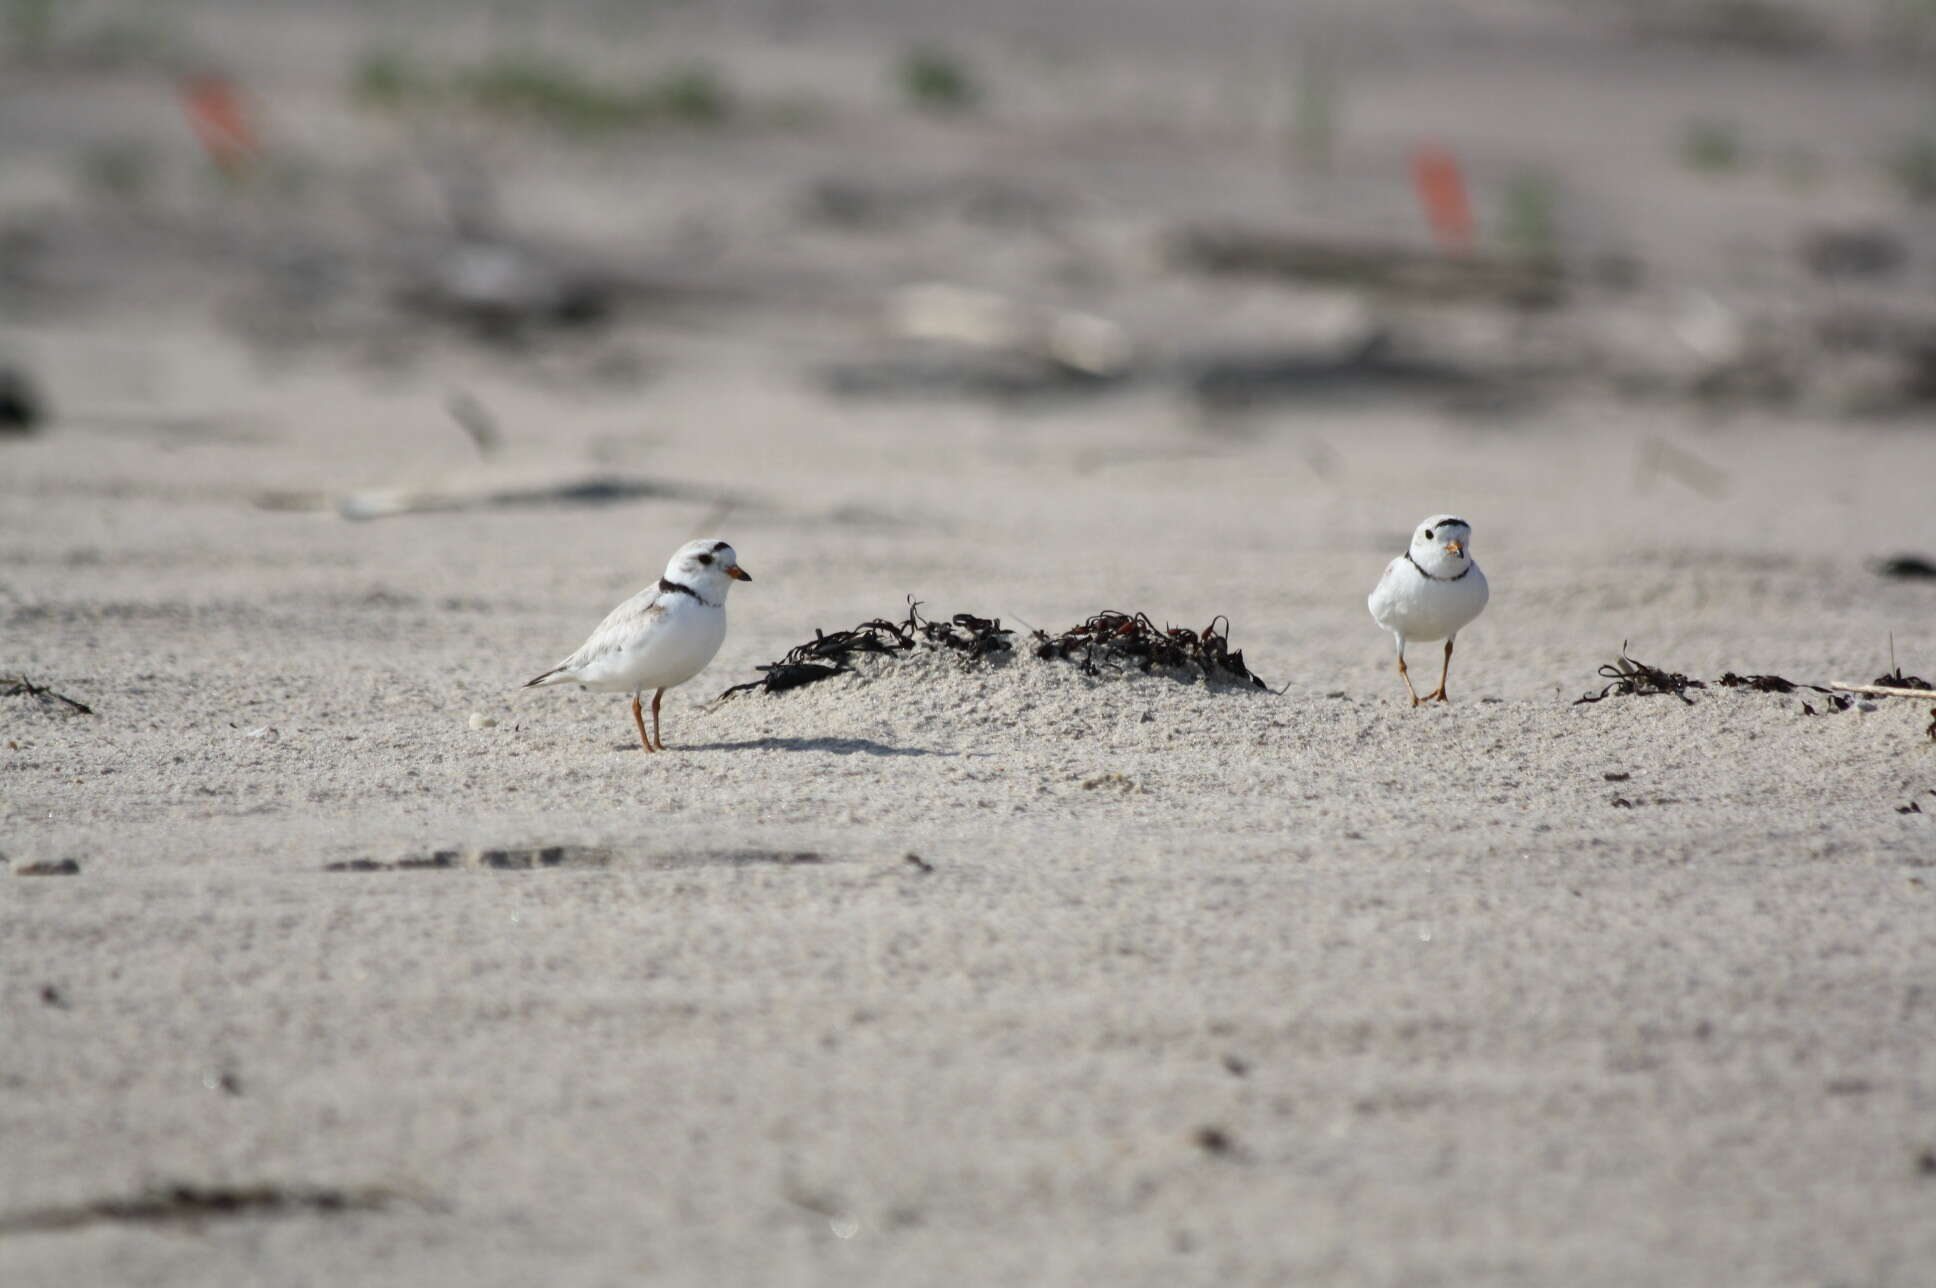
(657, 694)
(1444, 671)
(1406, 676)
(638, 718)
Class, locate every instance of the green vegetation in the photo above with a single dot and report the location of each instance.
(544, 91)
(696, 93)
(1712, 146)
(389, 79)
(935, 80)
(548, 92)
(44, 31)
(1529, 219)
(30, 27)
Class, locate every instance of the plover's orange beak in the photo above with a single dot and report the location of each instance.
(738, 573)
(1456, 547)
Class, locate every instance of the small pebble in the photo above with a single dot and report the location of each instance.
(481, 721)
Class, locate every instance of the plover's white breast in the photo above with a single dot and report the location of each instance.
(1409, 603)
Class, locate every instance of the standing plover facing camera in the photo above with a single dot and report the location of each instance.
(662, 636)
(1430, 592)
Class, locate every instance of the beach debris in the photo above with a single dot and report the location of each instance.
(989, 201)
(1440, 186)
(1113, 781)
(1390, 267)
(1131, 640)
(1634, 678)
(1866, 250)
(49, 868)
(918, 863)
(1911, 687)
(1896, 679)
(479, 720)
(267, 733)
(1907, 567)
(521, 858)
(1213, 1140)
(978, 637)
(1118, 641)
(1911, 808)
(1374, 365)
(21, 408)
(19, 686)
(184, 1202)
(1001, 375)
(52, 996)
(1764, 683)
(963, 315)
(476, 420)
(215, 112)
(1616, 776)
(825, 656)
(1631, 677)
(383, 503)
(501, 291)
(1765, 27)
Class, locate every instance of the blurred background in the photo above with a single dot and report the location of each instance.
(524, 253)
(1248, 204)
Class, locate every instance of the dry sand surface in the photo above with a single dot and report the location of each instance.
(941, 972)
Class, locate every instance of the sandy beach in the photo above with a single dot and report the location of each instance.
(376, 969)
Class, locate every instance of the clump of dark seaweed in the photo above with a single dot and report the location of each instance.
(1765, 683)
(1631, 677)
(978, 637)
(1897, 680)
(19, 686)
(827, 655)
(1124, 641)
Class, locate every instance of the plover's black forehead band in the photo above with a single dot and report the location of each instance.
(720, 545)
(1448, 523)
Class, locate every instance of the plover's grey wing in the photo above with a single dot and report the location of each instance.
(621, 627)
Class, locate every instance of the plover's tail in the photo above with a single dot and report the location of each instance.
(556, 675)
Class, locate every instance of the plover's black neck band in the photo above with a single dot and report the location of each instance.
(1414, 563)
(667, 586)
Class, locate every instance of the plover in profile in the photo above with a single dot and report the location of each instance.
(662, 636)
(1430, 592)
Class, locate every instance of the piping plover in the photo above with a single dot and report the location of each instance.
(662, 636)
(1430, 592)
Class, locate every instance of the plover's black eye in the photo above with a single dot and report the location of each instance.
(1428, 534)
(705, 559)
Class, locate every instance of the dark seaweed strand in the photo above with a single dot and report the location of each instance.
(1631, 677)
(827, 655)
(1765, 683)
(21, 686)
(1122, 640)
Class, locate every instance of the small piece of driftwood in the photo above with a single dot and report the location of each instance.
(1883, 690)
